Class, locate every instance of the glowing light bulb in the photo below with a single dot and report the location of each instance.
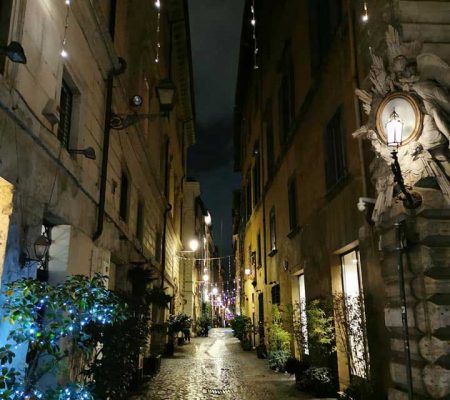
(158, 4)
(64, 53)
(68, 2)
(365, 16)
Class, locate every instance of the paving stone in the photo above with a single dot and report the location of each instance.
(217, 368)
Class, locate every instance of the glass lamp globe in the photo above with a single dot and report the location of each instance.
(215, 291)
(193, 244)
(247, 271)
(394, 130)
(206, 278)
(165, 92)
(41, 246)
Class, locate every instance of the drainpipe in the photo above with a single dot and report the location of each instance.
(356, 81)
(166, 213)
(105, 148)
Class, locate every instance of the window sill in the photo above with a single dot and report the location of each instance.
(293, 233)
(273, 252)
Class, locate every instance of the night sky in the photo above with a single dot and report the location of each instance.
(215, 36)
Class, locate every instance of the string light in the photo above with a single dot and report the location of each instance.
(365, 16)
(255, 43)
(64, 53)
(158, 29)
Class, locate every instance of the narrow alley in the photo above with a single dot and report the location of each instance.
(216, 367)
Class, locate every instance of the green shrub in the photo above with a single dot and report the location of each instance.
(242, 327)
(360, 389)
(277, 360)
(317, 380)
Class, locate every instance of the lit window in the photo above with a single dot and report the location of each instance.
(303, 315)
(355, 315)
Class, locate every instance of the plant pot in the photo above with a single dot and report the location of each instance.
(152, 365)
(246, 345)
(261, 351)
(170, 348)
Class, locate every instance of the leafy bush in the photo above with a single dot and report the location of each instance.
(42, 315)
(317, 380)
(277, 359)
(242, 326)
(360, 389)
(178, 323)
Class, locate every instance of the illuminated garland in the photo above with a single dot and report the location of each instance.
(255, 43)
(64, 53)
(365, 15)
(158, 29)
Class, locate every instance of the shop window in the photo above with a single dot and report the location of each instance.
(273, 231)
(353, 304)
(124, 196)
(276, 297)
(303, 315)
(334, 151)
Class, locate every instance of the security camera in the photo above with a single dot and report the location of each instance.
(362, 203)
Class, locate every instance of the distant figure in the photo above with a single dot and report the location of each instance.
(187, 335)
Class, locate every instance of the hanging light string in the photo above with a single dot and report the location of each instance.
(255, 42)
(365, 15)
(158, 29)
(64, 53)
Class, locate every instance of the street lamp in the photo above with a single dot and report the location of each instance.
(165, 92)
(215, 291)
(394, 128)
(208, 219)
(88, 152)
(193, 245)
(41, 246)
(14, 51)
(206, 278)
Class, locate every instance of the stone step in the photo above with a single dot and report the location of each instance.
(435, 12)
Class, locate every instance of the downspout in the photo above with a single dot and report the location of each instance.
(166, 213)
(356, 81)
(105, 149)
(107, 129)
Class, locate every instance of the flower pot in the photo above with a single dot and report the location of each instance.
(152, 365)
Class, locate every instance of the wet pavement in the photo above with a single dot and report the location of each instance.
(217, 368)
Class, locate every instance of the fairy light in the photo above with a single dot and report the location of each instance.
(365, 16)
(255, 43)
(64, 53)
(158, 29)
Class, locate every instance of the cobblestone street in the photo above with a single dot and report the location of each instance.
(217, 368)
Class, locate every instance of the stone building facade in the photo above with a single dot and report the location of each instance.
(122, 209)
(304, 173)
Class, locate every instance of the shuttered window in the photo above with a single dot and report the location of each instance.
(334, 151)
(140, 221)
(65, 114)
(292, 200)
(124, 189)
(276, 294)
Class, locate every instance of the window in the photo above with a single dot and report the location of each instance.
(292, 200)
(354, 318)
(5, 19)
(258, 249)
(273, 231)
(286, 96)
(256, 176)
(325, 16)
(124, 193)
(270, 146)
(303, 315)
(276, 294)
(65, 114)
(158, 246)
(334, 151)
(42, 271)
(140, 221)
(248, 199)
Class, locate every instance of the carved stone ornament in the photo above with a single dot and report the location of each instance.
(415, 86)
